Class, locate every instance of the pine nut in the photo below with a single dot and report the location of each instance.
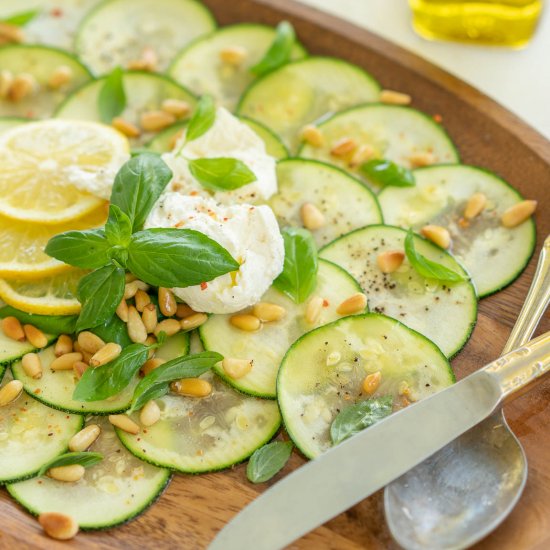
(233, 55)
(390, 260)
(437, 234)
(147, 62)
(132, 287)
(150, 317)
(129, 277)
(245, 321)
(12, 329)
(354, 304)
(167, 302)
(11, 33)
(193, 321)
(363, 154)
(192, 387)
(6, 80)
(35, 336)
(32, 365)
(169, 326)
(371, 382)
(475, 205)
(343, 147)
(63, 345)
(141, 299)
(237, 368)
(66, 362)
(109, 352)
(61, 75)
(122, 310)
(518, 213)
(150, 414)
(70, 473)
(10, 392)
(23, 85)
(313, 310)
(125, 127)
(136, 328)
(312, 135)
(392, 97)
(176, 107)
(267, 312)
(58, 526)
(421, 158)
(84, 439)
(312, 217)
(153, 121)
(125, 423)
(151, 340)
(90, 342)
(183, 310)
(80, 368)
(151, 364)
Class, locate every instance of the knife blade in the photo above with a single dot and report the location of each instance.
(363, 464)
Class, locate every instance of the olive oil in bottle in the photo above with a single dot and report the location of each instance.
(494, 22)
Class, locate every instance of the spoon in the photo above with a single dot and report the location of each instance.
(464, 491)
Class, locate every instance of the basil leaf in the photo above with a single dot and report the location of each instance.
(268, 460)
(221, 174)
(111, 100)
(355, 418)
(52, 324)
(138, 185)
(428, 268)
(86, 249)
(279, 52)
(202, 120)
(118, 228)
(386, 173)
(85, 459)
(157, 382)
(99, 292)
(113, 330)
(21, 19)
(110, 379)
(177, 257)
(299, 276)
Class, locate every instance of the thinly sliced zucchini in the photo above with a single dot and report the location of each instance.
(493, 254)
(273, 143)
(444, 312)
(31, 435)
(200, 68)
(12, 350)
(112, 492)
(393, 132)
(40, 62)
(323, 372)
(9, 122)
(116, 32)
(144, 92)
(267, 347)
(345, 202)
(301, 92)
(55, 389)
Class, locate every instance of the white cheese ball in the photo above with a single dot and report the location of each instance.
(249, 233)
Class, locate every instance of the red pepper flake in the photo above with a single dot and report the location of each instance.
(29, 114)
(40, 482)
(180, 224)
(193, 193)
(204, 286)
(225, 219)
(326, 303)
(438, 118)
(56, 12)
(37, 391)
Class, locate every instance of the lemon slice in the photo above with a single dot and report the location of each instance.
(51, 168)
(55, 295)
(22, 245)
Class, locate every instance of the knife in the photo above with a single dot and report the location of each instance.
(363, 464)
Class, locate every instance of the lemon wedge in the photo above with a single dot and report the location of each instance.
(51, 168)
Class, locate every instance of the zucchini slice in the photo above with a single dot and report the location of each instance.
(115, 32)
(345, 202)
(55, 389)
(10, 122)
(267, 346)
(493, 254)
(313, 387)
(40, 62)
(112, 492)
(273, 143)
(393, 132)
(12, 350)
(200, 68)
(31, 435)
(301, 92)
(444, 312)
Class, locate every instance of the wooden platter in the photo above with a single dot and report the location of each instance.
(194, 508)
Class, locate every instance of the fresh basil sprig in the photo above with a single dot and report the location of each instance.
(113, 330)
(268, 460)
(299, 276)
(202, 120)
(428, 268)
(87, 249)
(355, 418)
(111, 100)
(279, 52)
(118, 229)
(22, 18)
(51, 324)
(157, 383)
(85, 459)
(386, 173)
(221, 173)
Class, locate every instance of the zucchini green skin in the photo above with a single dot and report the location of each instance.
(7, 122)
(8, 360)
